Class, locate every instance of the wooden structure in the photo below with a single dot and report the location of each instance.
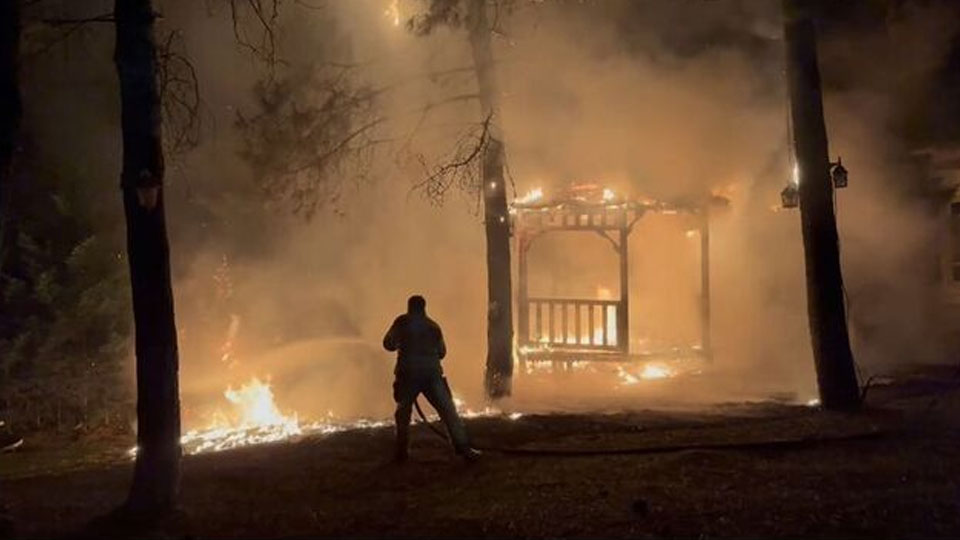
(594, 329)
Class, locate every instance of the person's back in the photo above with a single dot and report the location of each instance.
(420, 346)
(419, 341)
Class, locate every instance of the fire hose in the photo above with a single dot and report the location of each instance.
(778, 444)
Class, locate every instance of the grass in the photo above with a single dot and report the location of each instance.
(905, 484)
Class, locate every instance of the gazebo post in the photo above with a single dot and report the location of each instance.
(538, 339)
(705, 340)
(523, 303)
(623, 311)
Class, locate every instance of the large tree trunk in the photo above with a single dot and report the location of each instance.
(836, 377)
(10, 113)
(499, 369)
(157, 470)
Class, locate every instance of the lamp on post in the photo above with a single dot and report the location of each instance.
(790, 196)
(838, 173)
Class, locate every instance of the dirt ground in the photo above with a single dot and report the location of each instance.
(890, 471)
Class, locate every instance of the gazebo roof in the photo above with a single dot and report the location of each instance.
(592, 207)
(596, 197)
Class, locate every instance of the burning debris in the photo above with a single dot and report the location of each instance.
(253, 418)
(570, 331)
(531, 197)
(591, 329)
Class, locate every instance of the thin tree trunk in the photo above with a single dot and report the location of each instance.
(499, 368)
(833, 358)
(157, 470)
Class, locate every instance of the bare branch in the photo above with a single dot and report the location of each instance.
(305, 4)
(105, 18)
(266, 16)
(461, 170)
(179, 89)
(315, 132)
(71, 27)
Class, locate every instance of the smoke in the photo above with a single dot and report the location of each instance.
(661, 99)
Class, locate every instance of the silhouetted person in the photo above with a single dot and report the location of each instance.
(420, 344)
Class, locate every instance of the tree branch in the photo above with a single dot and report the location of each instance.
(461, 170)
(105, 18)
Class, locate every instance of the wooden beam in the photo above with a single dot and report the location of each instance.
(623, 310)
(523, 300)
(705, 324)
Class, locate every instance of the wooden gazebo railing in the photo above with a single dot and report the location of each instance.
(590, 328)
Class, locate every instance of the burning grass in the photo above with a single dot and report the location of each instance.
(252, 417)
(900, 486)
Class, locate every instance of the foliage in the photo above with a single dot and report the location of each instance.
(313, 129)
(65, 333)
(452, 13)
(456, 14)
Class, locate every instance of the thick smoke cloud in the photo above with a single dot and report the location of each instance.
(656, 98)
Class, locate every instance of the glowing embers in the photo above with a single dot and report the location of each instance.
(255, 406)
(548, 367)
(254, 418)
(466, 412)
(532, 196)
(648, 372)
(620, 374)
(577, 194)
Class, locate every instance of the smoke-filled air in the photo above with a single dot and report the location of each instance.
(616, 94)
(610, 207)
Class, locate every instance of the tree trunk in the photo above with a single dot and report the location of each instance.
(157, 470)
(836, 377)
(499, 368)
(10, 115)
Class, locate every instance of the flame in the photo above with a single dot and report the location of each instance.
(796, 175)
(626, 377)
(603, 293)
(608, 195)
(255, 405)
(655, 371)
(255, 419)
(649, 372)
(611, 333)
(584, 338)
(532, 196)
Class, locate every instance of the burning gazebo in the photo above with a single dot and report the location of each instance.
(563, 331)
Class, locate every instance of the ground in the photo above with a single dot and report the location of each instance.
(892, 470)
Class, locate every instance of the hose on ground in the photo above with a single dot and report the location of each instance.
(782, 444)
